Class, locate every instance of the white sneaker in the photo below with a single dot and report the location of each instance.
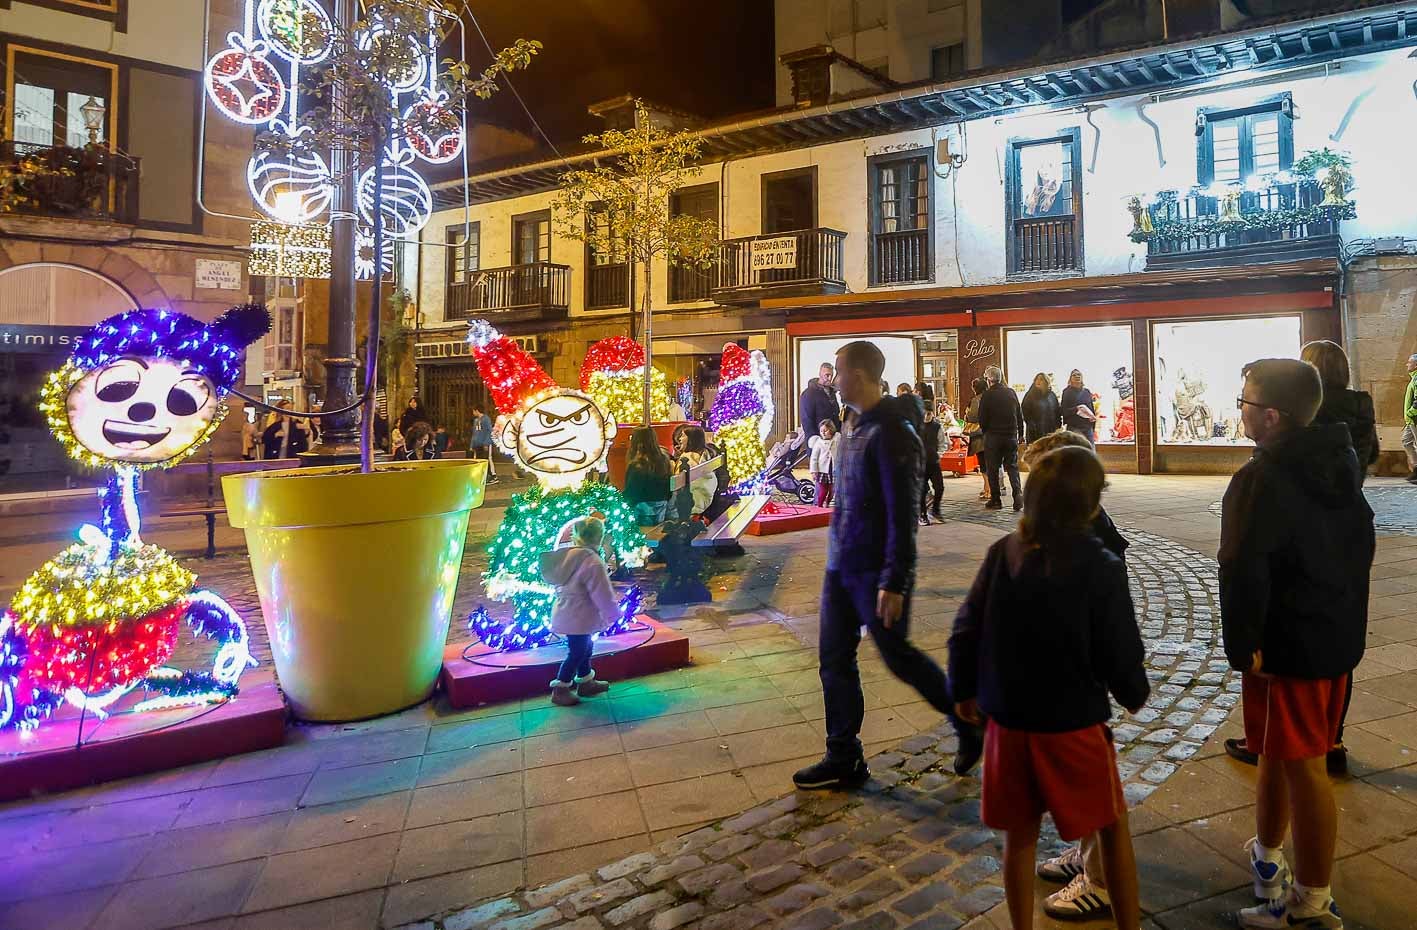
(1062, 869)
(1285, 915)
(1271, 879)
(1081, 900)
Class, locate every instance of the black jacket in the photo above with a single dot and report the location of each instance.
(1041, 413)
(1106, 531)
(1354, 409)
(876, 480)
(931, 433)
(1073, 398)
(1042, 639)
(1296, 546)
(816, 404)
(999, 412)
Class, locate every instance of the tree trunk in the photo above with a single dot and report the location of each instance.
(648, 327)
(371, 369)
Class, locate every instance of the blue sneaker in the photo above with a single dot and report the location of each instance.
(1285, 915)
(1271, 879)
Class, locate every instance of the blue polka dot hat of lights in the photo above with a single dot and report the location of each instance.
(143, 389)
(560, 436)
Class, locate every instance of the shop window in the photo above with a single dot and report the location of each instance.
(901, 220)
(1237, 144)
(947, 62)
(464, 251)
(701, 201)
(1196, 368)
(531, 238)
(1043, 201)
(1103, 354)
(49, 95)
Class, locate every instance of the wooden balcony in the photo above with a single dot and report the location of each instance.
(1044, 245)
(89, 183)
(1284, 222)
(607, 286)
(755, 268)
(689, 284)
(901, 257)
(539, 291)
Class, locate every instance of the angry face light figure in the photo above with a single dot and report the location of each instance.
(560, 436)
(143, 389)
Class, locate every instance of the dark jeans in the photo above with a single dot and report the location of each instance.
(1001, 452)
(934, 480)
(849, 603)
(578, 649)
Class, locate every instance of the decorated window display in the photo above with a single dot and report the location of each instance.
(1197, 366)
(143, 389)
(560, 436)
(1101, 355)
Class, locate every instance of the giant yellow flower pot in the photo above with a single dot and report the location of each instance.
(356, 575)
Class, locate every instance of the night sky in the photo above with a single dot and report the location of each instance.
(713, 58)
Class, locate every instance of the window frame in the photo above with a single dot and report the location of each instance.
(1207, 117)
(1073, 137)
(533, 216)
(963, 62)
(925, 155)
(111, 11)
(451, 236)
(767, 177)
(710, 187)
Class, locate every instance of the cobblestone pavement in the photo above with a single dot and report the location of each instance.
(1394, 508)
(667, 805)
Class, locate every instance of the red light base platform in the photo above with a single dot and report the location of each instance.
(789, 518)
(486, 676)
(52, 758)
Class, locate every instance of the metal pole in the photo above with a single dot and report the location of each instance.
(339, 440)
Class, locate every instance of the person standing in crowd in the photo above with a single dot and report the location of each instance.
(480, 442)
(284, 438)
(646, 477)
(1409, 419)
(871, 559)
(1041, 411)
(381, 432)
(250, 435)
(419, 444)
(676, 411)
(1296, 547)
(820, 462)
(412, 414)
(1078, 413)
(905, 392)
(585, 605)
(1001, 421)
(974, 435)
(819, 400)
(931, 437)
(1047, 631)
(440, 440)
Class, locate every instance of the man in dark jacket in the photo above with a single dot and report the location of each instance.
(819, 402)
(1001, 421)
(871, 570)
(1296, 547)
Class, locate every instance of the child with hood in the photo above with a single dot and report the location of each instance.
(585, 605)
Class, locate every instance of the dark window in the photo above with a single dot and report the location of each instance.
(531, 238)
(701, 201)
(901, 220)
(789, 200)
(1043, 201)
(607, 269)
(947, 61)
(464, 251)
(1234, 145)
(49, 95)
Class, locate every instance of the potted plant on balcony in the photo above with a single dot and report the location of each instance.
(356, 566)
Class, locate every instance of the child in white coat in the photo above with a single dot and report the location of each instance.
(820, 465)
(585, 605)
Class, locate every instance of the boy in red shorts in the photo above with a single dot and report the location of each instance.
(1046, 632)
(1296, 546)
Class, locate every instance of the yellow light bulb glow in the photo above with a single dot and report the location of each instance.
(622, 395)
(76, 589)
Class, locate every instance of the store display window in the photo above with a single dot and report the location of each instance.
(1197, 367)
(1103, 354)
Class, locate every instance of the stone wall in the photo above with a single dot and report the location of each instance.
(1382, 334)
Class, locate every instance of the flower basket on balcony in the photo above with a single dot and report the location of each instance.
(61, 180)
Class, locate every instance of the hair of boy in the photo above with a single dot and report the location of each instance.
(1331, 361)
(862, 356)
(826, 422)
(1054, 440)
(1288, 386)
(1063, 495)
(589, 531)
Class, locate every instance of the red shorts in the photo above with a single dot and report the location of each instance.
(1071, 775)
(1292, 718)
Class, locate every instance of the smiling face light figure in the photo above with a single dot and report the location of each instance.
(141, 412)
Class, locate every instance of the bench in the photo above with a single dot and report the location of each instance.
(732, 523)
(210, 512)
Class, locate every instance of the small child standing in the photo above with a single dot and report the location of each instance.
(585, 605)
(820, 464)
(1047, 630)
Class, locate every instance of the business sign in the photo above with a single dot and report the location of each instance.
(459, 348)
(218, 275)
(779, 252)
(15, 337)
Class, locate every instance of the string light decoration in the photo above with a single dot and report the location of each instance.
(684, 390)
(742, 412)
(286, 251)
(559, 436)
(613, 373)
(143, 389)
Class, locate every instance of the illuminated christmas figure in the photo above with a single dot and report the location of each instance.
(741, 417)
(614, 374)
(558, 435)
(143, 389)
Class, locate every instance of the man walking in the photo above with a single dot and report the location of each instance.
(1296, 546)
(1409, 419)
(871, 571)
(1001, 421)
(818, 401)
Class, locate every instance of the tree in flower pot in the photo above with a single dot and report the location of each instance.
(356, 566)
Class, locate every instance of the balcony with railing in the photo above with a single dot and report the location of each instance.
(804, 263)
(688, 284)
(1279, 222)
(1044, 245)
(66, 182)
(901, 257)
(538, 291)
(607, 285)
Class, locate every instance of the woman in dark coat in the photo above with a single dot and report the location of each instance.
(1076, 395)
(1041, 412)
(1341, 404)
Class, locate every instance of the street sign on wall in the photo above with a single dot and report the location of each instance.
(778, 252)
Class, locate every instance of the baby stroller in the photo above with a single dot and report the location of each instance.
(782, 459)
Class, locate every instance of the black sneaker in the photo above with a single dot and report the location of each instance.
(830, 774)
(994, 505)
(1237, 750)
(971, 748)
(924, 520)
(1337, 761)
(1018, 504)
